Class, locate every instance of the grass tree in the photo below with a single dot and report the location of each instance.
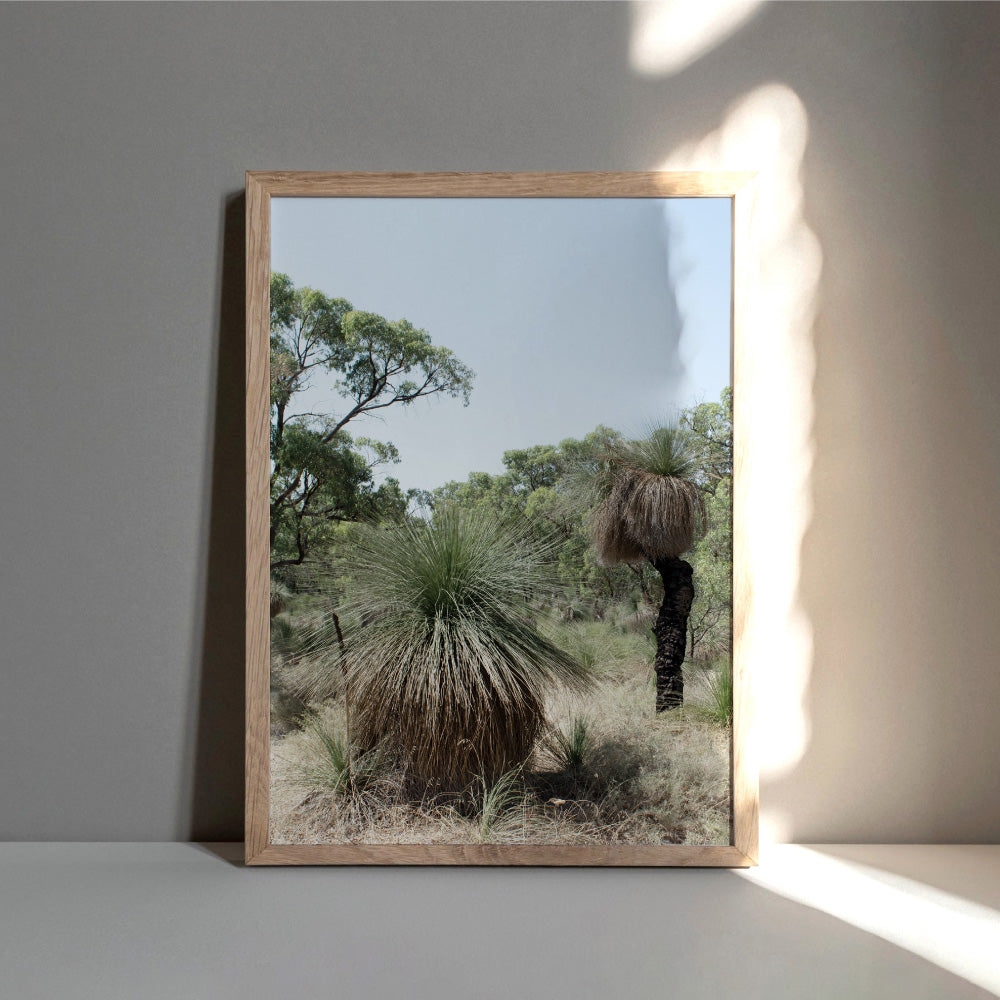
(650, 507)
(443, 657)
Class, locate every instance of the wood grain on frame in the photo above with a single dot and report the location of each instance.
(550, 855)
(651, 184)
(744, 786)
(258, 544)
(261, 186)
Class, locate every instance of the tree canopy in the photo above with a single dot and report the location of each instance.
(320, 474)
(325, 475)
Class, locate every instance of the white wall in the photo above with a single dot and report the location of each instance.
(127, 129)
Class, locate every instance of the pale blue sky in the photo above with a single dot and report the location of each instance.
(572, 312)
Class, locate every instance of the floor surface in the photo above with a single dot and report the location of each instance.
(187, 921)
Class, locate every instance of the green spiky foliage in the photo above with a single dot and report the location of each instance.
(650, 505)
(331, 765)
(497, 800)
(444, 657)
(719, 687)
(571, 748)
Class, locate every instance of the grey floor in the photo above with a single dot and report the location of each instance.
(188, 921)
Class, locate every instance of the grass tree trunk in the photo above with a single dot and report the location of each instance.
(670, 630)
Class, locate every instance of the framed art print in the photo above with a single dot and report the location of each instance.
(495, 477)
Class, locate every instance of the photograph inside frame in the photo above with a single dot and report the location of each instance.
(501, 521)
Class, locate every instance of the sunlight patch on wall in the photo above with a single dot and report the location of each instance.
(669, 36)
(955, 934)
(774, 829)
(766, 131)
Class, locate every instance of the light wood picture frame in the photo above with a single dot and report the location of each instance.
(263, 186)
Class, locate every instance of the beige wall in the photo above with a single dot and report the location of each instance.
(126, 133)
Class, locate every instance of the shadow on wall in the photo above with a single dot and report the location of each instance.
(217, 796)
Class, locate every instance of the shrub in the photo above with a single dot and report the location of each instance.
(496, 800)
(570, 749)
(444, 657)
(288, 709)
(719, 688)
(330, 764)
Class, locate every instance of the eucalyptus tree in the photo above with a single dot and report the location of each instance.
(650, 508)
(320, 474)
(711, 427)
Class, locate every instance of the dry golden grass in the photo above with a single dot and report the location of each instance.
(641, 778)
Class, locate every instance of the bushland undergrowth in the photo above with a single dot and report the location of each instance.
(605, 769)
